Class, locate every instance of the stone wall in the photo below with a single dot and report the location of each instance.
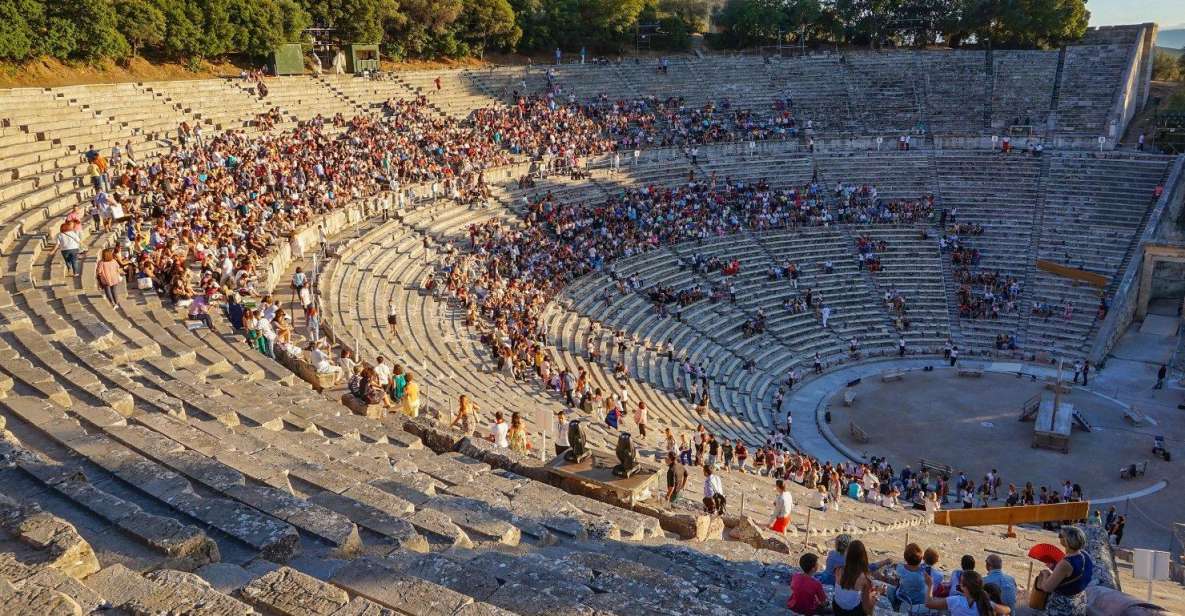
(1168, 280)
(1133, 91)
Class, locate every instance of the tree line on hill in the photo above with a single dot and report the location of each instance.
(92, 30)
(1005, 23)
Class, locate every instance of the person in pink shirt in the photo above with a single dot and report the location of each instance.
(807, 596)
(109, 274)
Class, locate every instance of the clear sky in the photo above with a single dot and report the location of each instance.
(1167, 13)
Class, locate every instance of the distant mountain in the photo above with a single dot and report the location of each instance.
(1171, 38)
(1171, 51)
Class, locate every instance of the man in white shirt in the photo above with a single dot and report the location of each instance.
(713, 493)
(322, 365)
(561, 432)
(783, 505)
(269, 335)
(498, 431)
(871, 486)
(382, 371)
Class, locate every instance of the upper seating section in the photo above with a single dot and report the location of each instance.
(946, 93)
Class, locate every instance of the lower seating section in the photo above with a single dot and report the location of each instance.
(1000, 195)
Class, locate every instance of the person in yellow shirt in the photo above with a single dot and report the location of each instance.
(411, 397)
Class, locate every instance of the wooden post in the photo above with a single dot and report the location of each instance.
(807, 532)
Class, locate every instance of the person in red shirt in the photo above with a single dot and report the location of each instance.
(807, 596)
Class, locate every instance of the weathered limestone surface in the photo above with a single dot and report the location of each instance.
(67, 550)
(288, 592)
(330, 526)
(33, 600)
(177, 592)
(476, 518)
(119, 585)
(408, 595)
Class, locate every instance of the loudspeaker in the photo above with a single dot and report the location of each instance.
(853, 383)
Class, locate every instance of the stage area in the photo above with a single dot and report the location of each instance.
(971, 424)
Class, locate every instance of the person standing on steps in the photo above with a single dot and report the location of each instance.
(640, 419)
(676, 478)
(783, 505)
(109, 275)
(70, 244)
(561, 432)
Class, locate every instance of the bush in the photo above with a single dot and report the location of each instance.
(1165, 67)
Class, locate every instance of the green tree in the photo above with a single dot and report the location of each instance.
(141, 23)
(1165, 67)
(751, 22)
(425, 28)
(488, 23)
(354, 21)
(183, 28)
(693, 13)
(533, 20)
(18, 19)
(604, 25)
(1032, 23)
(96, 27)
(259, 26)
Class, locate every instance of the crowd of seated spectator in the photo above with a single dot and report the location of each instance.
(867, 249)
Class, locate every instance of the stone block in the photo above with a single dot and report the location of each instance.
(360, 606)
(476, 519)
(746, 531)
(226, 578)
(412, 487)
(407, 595)
(287, 592)
(374, 518)
(118, 399)
(119, 585)
(31, 599)
(360, 407)
(163, 534)
(177, 592)
(440, 527)
(70, 553)
(54, 579)
(336, 529)
(276, 541)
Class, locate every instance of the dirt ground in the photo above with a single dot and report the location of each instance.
(972, 424)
